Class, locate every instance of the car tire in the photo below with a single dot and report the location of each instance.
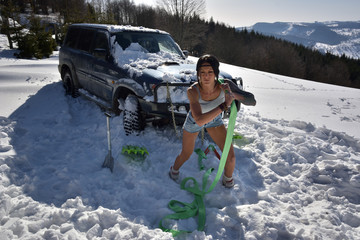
(133, 120)
(69, 85)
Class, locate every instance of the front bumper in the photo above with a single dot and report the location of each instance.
(163, 109)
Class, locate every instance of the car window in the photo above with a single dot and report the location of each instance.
(167, 44)
(86, 37)
(123, 40)
(101, 41)
(72, 37)
(152, 42)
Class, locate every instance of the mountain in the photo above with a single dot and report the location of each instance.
(334, 37)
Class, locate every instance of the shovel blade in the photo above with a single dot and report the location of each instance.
(109, 162)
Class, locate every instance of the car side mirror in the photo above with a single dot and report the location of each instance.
(186, 53)
(100, 53)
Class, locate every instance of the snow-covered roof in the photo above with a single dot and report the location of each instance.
(120, 28)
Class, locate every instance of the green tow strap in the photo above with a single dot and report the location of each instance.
(201, 155)
(197, 207)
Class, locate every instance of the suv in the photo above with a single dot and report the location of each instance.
(138, 70)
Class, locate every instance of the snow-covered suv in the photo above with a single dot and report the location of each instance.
(138, 70)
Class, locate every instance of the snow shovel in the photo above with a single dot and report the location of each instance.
(109, 160)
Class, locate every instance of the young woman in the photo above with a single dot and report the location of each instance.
(208, 99)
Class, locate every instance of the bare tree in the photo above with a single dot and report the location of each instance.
(123, 11)
(182, 10)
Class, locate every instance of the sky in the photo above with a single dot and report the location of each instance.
(239, 13)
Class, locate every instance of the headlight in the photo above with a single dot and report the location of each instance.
(182, 109)
(152, 87)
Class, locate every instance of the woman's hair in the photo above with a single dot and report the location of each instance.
(211, 60)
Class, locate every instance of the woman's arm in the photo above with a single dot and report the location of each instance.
(244, 97)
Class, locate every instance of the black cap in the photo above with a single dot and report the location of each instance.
(211, 60)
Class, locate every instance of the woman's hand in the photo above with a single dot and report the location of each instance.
(229, 96)
(225, 87)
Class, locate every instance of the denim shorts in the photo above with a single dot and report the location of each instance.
(192, 127)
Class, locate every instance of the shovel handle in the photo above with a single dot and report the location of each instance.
(108, 116)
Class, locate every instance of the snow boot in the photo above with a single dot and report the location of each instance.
(228, 182)
(174, 174)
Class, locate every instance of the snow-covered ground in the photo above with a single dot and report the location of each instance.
(297, 175)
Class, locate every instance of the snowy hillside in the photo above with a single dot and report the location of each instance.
(335, 37)
(297, 174)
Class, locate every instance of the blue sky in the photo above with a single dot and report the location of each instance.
(239, 13)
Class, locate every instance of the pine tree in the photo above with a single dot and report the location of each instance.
(37, 42)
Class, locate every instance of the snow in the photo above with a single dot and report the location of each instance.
(296, 177)
(135, 58)
(121, 28)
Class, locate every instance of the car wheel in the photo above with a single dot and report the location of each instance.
(69, 86)
(133, 120)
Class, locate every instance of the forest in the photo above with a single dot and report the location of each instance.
(183, 20)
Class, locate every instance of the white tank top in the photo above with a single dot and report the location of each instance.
(207, 106)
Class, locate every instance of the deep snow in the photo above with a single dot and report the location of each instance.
(297, 177)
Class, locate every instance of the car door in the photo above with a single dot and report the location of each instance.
(83, 58)
(101, 75)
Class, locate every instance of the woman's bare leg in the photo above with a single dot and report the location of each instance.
(218, 134)
(188, 145)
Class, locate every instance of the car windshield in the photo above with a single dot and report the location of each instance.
(152, 42)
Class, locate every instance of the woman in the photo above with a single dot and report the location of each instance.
(208, 99)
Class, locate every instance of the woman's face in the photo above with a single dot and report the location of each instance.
(207, 75)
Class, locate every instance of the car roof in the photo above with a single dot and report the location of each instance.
(118, 28)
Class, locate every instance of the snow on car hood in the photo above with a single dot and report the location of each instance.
(135, 59)
(184, 72)
(170, 67)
